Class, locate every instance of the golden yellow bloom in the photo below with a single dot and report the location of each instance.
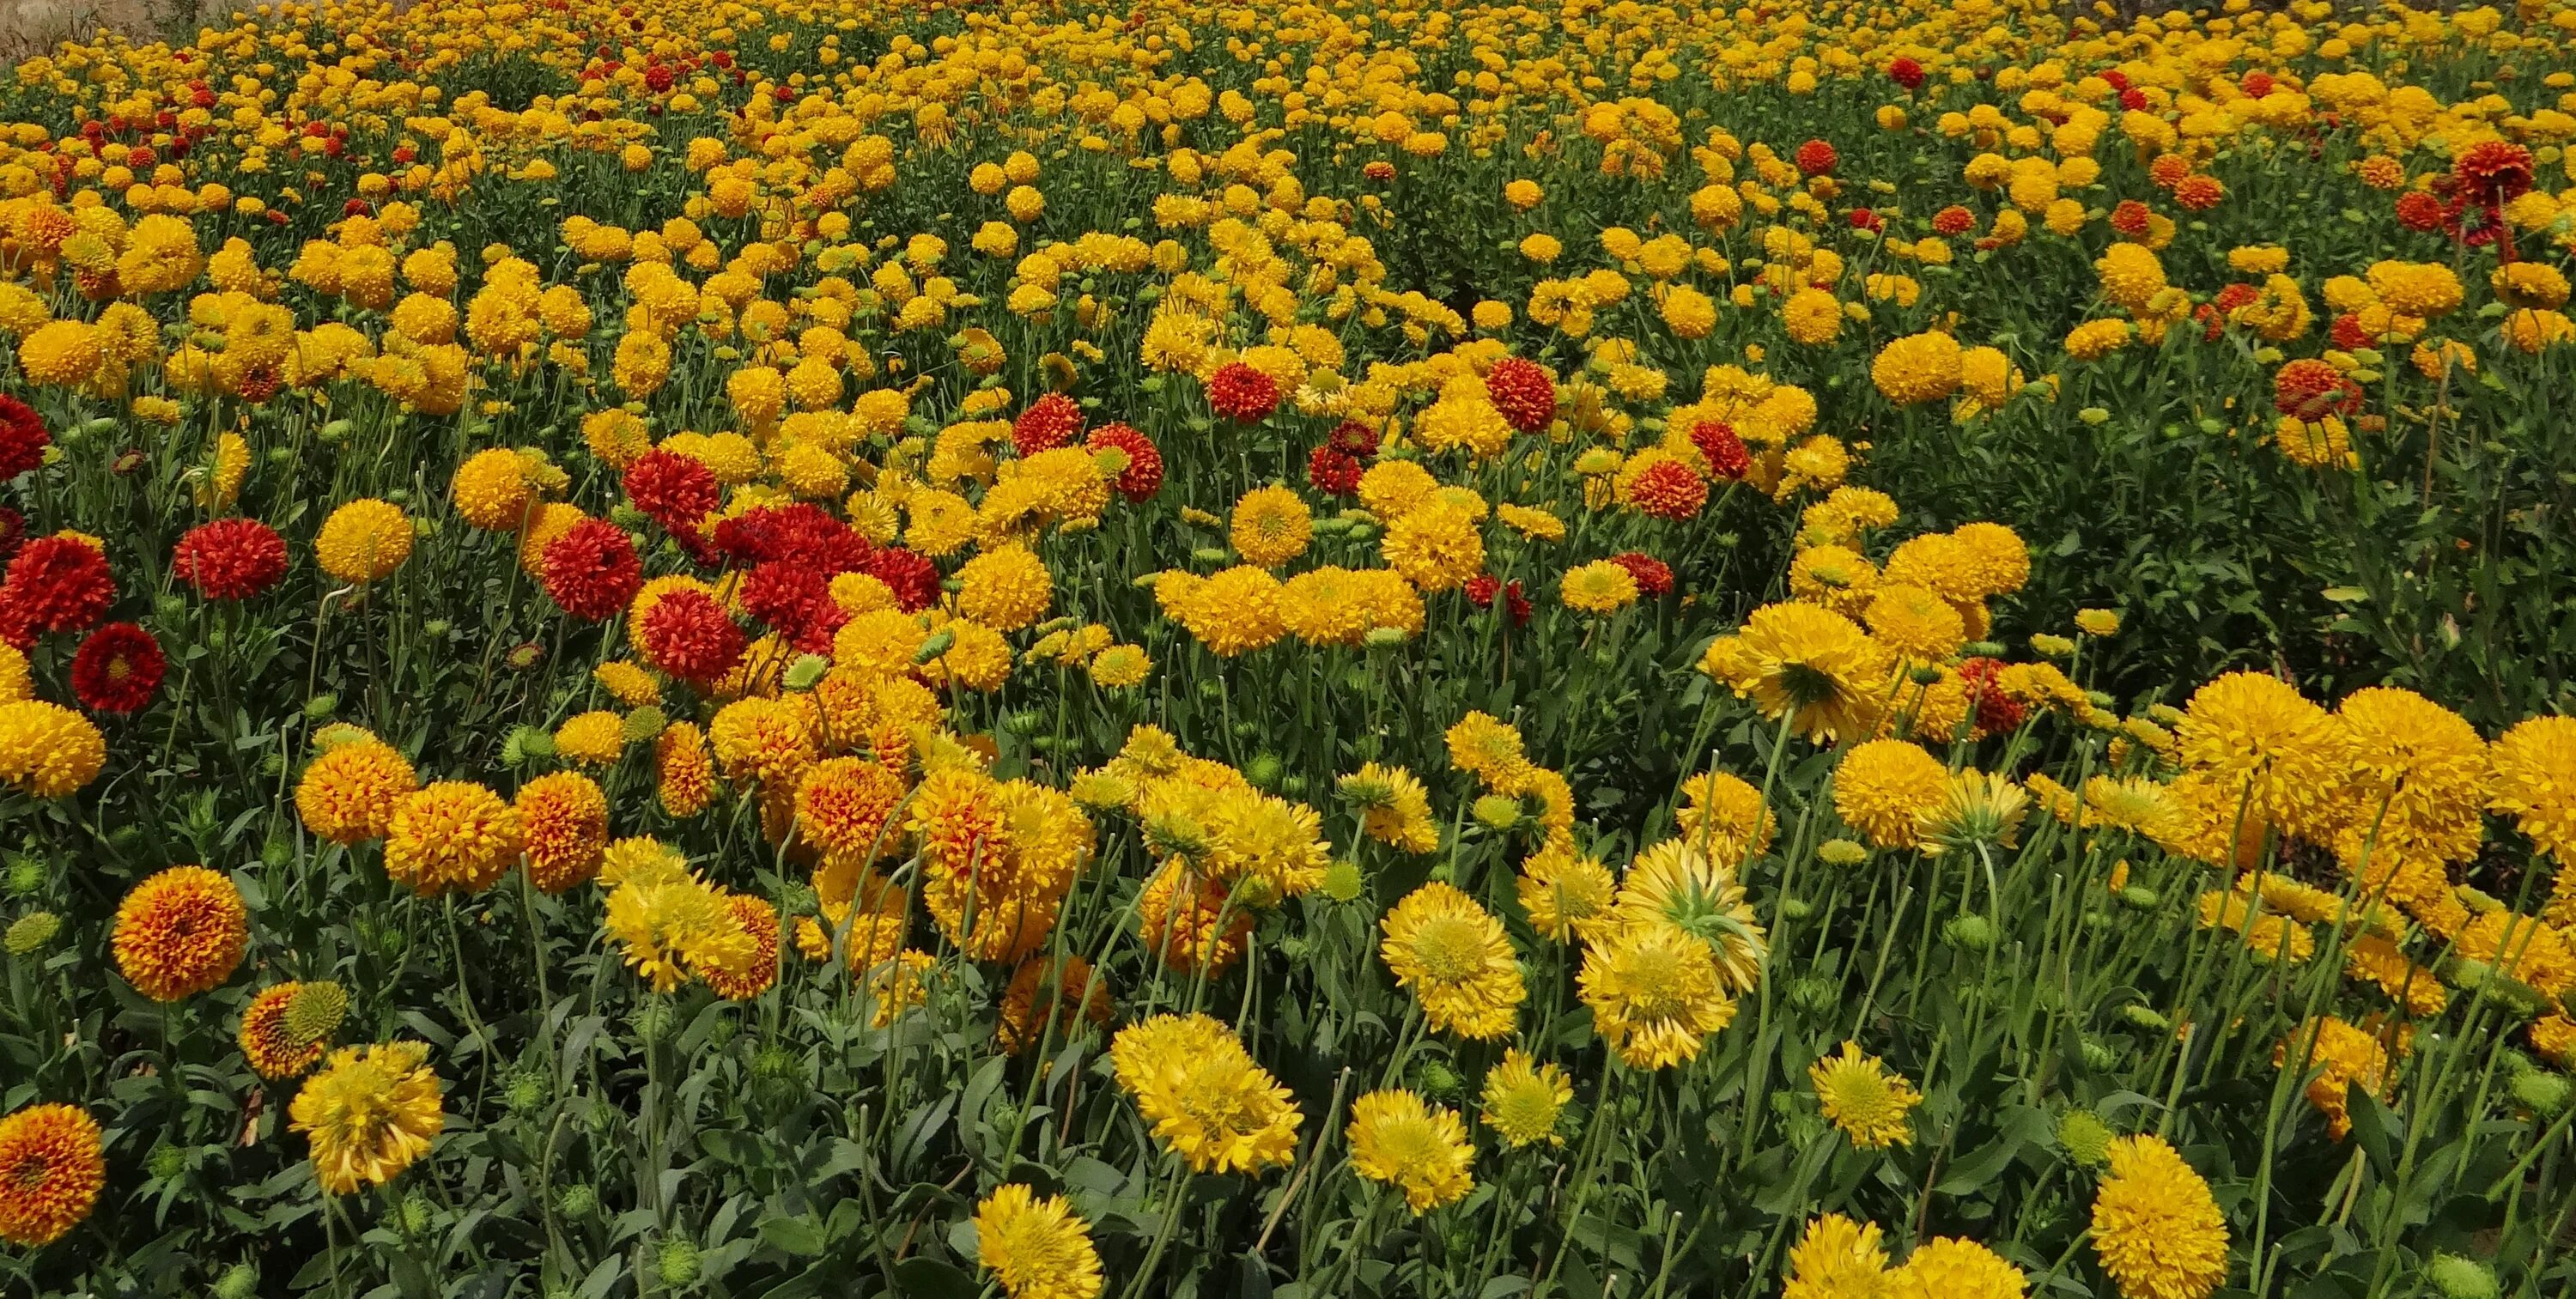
(1870, 1105)
(1455, 958)
(1206, 1099)
(1418, 1149)
(369, 1114)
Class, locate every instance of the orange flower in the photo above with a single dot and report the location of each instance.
(180, 932)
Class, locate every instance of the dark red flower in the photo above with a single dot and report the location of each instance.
(1654, 576)
(230, 559)
(2133, 99)
(796, 602)
(1051, 421)
(910, 574)
(2493, 172)
(13, 533)
(658, 78)
(2311, 389)
(58, 584)
(687, 634)
(1996, 713)
(1866, 219)
(1727, 457)
(1353, 439)
(1516, 604)
(2256, 84)
(23, 438)
(2417, 210)
(1143, 475)
(672, 489)
(1332, 472)
(357, 207)
(1816, 158)
(1239, 392)
(803, 532)
(592, 570)
(1905, 72)
(117, 669)
(1522, 392)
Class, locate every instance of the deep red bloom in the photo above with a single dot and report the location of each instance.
(2129, 217)
(1996, 712)
(687, 634)
(1051, 421)
(909, 574)
(117, 669)
(2256, 84)
(230, 559)
(1143, 475)
(1953, 220)
(13, 533)
(357, 207)
(658, 78)
(1522, 392)
(2417, 210)
(674, 490)
(1654, 576)
(2493, 172)
(1516, 604)
(2133, 99)
(796, 602)
(1353, 439)
(803, 532)
(2311, 389)
(1727, 457)
(1866, 219)
(58, 584)
(1332, 472)
(1240, 392)
(1816, 158)
(1905, 72)
(592, 570)
(2347, 333)
(23, 438)
(1483, 587)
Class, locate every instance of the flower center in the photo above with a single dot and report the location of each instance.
(1450, 948)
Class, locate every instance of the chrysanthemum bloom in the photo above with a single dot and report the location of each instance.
(230, 559)
(1675, 885)
(757, 970)
(117, 669)
(1206, 1098)
(2259, 740)
(1239, 392)
(453, 834)
(1038, 1248)
(1812, 666)
(1271, 526)
(491, 489)
(368, 1114)
(687, 634)
(348, 794)
(1048, 997)
(51, 1172)
(563, 817)
(48, 750)
(1917, 368)
(1051, 421)
(1836, 1258)
(61, 352)
(23, 438)
(592, 570)
(1120, 667)
(1141, 474)
(1235, 611)
(2335, 1057)
(1192, 921)
(1600, 587)
(1816, 158)
(2493, 172)
(596, 738)
(1435, 546)
(364, 541)
(2415, 774)
(57, 584)
(1523, 393)
(762, 741)
(683, 770)
(1522, 1100)
(15, 683)
(842, 807)
(674, 929)
(1867, 1103)
(1421, 1150)
(672, 489)
(1567, 897)
(1005, 588)
(1394, 807)
(1661, 487)
(287, 1027)
(2158, 1232)
(1456, 959)
(1950, 1268)
(2533, 780)
(180, 932)
(1654, 994)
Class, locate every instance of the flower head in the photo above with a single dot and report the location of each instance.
(1418, 1149)
(369, 1114)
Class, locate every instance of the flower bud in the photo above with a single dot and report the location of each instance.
(577, 1201)
(240, 1281)
(29, 933)
(2085, 1138)
(677, 1262)
(2456, 1277)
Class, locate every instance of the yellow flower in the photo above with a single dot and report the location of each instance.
(1869, 1104)
(1812, 666)
(48, 750)
(1523, 1100)
(1038, 1248)
(1456, 959)
(1654, 994)
(1206, 1099)
(368, 1114)
(364, 541)
(2158, 1232)
(1600, 587)
(1418, 1149)
(1836, 1258)
(1271, 526)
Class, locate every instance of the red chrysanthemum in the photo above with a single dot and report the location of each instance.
(1668, 490)
(1483, 587)
(592, 570)
(687, 634)
(1143, 475)
(1353, 439)
(2198, 193)
(58, 584)
(1866, 219)
(2311, 389)
(1816, 158)
(1051, 421)
(1332, 472)
(2348, 333)
(2256, 84)
(2236, 295)
(2417, 210)
(23, 438)
(909, 574)
(802, 532)
(672, 489)
(1905, 72)
(1654, 576)
(230, 559)
(1996, 712)
(117, 669)
(1522, 392)
(2133, 99)
(1239, 392)
(2129, 217)
(2212, 324)
(1953, 220)
(2493, 172)
(13, 533)
(796, 602)
(1727, 457)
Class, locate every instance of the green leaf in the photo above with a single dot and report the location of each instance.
(928, 1278)
(798, 1236)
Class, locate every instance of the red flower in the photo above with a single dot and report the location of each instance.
(1379, 170)
(687, 634)
(1816, 158)
(2493, 172)
(658, 78)
(1353, 439)
(1727, 456)
(2236, 295)
(1996, 712)
(357, 207)
(674, 490)
(58, 584)
(230, 559)
(1051, 421)
(1240, 392)
(1332, 472)
(23, 438)
(1866, 219)
(1953, 220)
(2212, 323)
(2133, 99)
(1654, 576)
(2348, 334)
(803, 532)
(1483, 587)
(1522, 392)
(2130, 217)
(1668, 490)
(117, 669)
(2311, 389)
(591, 570)
(2168, 170)
(1143, 475)
(13, 533)
(910, 574)
(796, 602)
(2256, 84)
(2417, 210)
(1905, 72)
(2199, 193)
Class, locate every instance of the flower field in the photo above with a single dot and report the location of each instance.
(1852, 651)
